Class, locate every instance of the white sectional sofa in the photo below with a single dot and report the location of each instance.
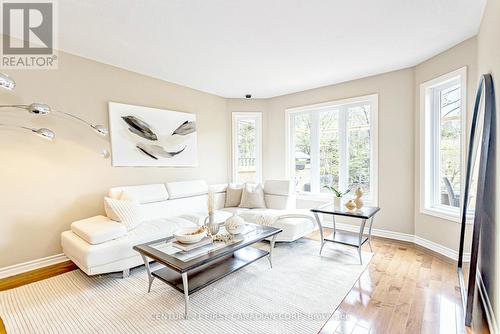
(99, 245)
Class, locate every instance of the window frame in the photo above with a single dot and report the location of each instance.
(429, 149)
(315, 109)
(235, 117)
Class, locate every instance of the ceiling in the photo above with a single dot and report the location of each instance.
(263, 47)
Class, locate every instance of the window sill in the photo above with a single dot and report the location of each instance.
(450, 215)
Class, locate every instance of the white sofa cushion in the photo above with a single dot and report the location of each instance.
(278, 187)
(124, 211)
(98, 229)
(186, 189)
(252, 197)
(90, 255)
(175, 207)
(143, 194)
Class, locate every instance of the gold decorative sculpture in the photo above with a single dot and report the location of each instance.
(350, 205)
(358, 201)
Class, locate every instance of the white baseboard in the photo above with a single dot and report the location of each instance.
(440, 249)
(32, 265)
(490, 315)
(448, 252)
(376, 232)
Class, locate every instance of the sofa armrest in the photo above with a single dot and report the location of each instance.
(98, 229)
(219, 192)
(279, 194)
(279, 187)
(218, 188)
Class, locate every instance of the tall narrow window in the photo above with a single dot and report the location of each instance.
(334, 144)
(442, 124)
(247, 147)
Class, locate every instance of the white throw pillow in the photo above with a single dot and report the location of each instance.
(233, 196)
(125, 211)
(252, 197)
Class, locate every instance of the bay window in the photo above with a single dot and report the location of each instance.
(334, 144)
(442, 123)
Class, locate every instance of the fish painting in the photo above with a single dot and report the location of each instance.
(144, 136)
(156, 151)
(185, 128)
(140, 128)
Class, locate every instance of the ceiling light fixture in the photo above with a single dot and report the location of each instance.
(7, 82)
(44, 109)
(42, 132)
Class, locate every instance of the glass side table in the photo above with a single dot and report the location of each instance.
(346, 238)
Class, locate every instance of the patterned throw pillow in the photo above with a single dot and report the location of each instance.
(252, 197)
(125, 211)
(233, 196)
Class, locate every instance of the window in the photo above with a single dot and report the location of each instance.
(247, 147)
(334, 144)
(443, 113)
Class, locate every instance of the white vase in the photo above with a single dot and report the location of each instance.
(337, 203)
(212, 226)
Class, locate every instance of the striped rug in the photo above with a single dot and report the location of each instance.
(297, 296)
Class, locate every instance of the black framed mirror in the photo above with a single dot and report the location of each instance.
(479, 198)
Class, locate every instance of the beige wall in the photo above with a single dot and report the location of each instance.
(45, 186)
(441, 231)
(489, 62)
(395, 149)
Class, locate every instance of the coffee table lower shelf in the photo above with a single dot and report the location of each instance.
(205, 275)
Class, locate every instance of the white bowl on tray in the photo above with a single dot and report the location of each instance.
(186, 236)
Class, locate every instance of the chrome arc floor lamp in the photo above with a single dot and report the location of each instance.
(37, 108)
(42, 132)
(44, 109)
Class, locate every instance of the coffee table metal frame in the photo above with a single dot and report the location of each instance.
(195, 274)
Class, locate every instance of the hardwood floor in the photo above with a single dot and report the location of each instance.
(404, 289)
(36, 275)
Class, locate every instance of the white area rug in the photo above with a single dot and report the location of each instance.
(297, 296)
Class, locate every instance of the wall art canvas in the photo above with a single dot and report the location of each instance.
(142, 136)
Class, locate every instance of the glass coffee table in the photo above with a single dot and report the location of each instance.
(188, 272)
(366, 213)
